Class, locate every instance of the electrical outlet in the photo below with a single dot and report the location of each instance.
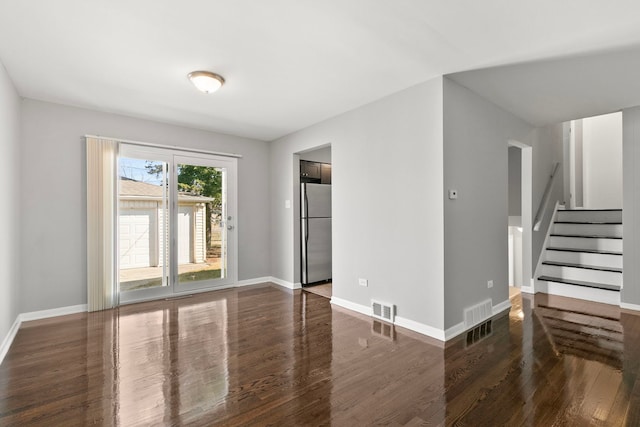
(490, 284)
(363, 282)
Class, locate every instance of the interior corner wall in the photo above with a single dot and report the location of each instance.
(9, 214)
(386, 202)
(631, 201)
(476, 136)
(53, 196)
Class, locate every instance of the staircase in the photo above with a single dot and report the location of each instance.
(583, 258)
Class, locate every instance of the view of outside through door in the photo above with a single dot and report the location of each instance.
(145, 223)
(201, 235)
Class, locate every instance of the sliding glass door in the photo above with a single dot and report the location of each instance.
(205, 222)
(176, 219)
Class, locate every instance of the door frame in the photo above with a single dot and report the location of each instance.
(526, 197)
(231, 215)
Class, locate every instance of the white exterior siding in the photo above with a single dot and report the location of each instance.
(142, 225)
(200, 233)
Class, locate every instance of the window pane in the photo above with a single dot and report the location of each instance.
(201, 232)
(143, 224)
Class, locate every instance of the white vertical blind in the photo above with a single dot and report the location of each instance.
(102, 284)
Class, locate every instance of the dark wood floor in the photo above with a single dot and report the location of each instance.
(265, 356)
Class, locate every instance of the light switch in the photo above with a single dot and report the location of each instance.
(287, 204)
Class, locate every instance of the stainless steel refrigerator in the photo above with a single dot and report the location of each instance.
(315, 230)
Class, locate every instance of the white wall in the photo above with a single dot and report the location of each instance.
(476, 134)
(387, 202)
(53, 204)
(602, 161)
(9, 213)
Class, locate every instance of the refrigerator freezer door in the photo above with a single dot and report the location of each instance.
(316, 201)
(316, 253)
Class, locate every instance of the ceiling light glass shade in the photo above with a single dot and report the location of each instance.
(206, 81)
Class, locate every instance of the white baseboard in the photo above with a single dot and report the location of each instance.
(629, 306)
(460, 328)
(454, 331)
(358, 308)
(500, 307)
(531, 289)
(284, 283)
(421, 328)
(8, 340)
(256, 281)
(403, 322)
(527, 290)
(45, 314)
(36, 315)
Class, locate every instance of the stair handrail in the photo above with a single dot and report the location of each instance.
(545, 200)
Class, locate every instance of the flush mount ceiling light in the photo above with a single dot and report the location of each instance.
(206, 81)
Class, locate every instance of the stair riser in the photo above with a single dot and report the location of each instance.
(573, 273)
(610, 230)
(586, 243)
(589, 216)
(590, 294)
(600, 260)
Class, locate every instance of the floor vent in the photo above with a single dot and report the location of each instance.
(478, 333)
(382, 311)
(384, 330)
(478, 313)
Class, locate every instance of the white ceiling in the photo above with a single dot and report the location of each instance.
(288, 63)
(554, 91)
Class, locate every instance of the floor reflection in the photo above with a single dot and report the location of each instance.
(263, 355)
(596, 337)
(552, 361)
(164, 364)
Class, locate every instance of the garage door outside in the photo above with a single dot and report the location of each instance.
(137, 228)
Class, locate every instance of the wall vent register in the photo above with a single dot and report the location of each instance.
(382, 311)
(477, 313)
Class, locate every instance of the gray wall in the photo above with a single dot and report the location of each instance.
(631, 202)
(547, 151)
(9, 214)
(52, 185)
(476, 134)
(387, 202)
(515, 181)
